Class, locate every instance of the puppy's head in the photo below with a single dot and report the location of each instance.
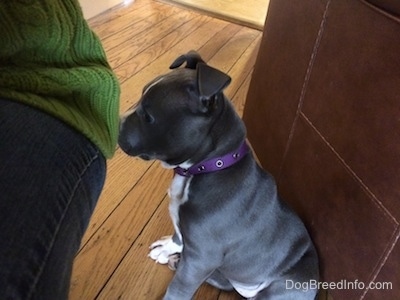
(175, 112)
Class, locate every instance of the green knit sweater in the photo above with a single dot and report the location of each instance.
(51, 60)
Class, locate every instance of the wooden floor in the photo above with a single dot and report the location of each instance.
(251, 13)
(141, 40)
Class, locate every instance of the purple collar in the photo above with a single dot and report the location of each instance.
(215, 164)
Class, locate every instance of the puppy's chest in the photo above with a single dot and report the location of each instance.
(179, 189)
(179, 194)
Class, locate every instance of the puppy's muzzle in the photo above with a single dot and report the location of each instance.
(128, 138)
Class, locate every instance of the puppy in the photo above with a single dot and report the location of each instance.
(231, 228)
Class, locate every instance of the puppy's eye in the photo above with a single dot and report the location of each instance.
(148, 118)
(144, 115)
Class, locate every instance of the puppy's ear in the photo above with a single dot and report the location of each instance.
(192, 58)
(211, 81)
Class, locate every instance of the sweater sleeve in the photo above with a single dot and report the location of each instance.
(51, 60)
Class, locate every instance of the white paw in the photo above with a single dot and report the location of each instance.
(161, 250)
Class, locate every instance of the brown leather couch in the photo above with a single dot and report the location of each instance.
(323, 115)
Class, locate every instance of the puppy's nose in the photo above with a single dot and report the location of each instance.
(124, 144)
(129, 136)
(126, 148)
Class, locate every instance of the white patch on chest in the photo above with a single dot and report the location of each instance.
(163, 250)
(179, 194)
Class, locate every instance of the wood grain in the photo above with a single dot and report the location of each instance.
(251, 13)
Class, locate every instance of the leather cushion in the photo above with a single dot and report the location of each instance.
(389, 6)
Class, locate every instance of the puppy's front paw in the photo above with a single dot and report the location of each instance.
(163, 249)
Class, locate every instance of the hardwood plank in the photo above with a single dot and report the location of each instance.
(250, 13)
(208, 292)
(137, 276)
(119, 19)
(229, 53)
(114, 13)
(208, 50)
(134, 40)
(229, 296)
(97, 261)
(116, 187)
(145, 57)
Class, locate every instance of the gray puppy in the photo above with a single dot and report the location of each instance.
(231, 229)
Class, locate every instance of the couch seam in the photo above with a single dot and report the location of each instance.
(305, 86)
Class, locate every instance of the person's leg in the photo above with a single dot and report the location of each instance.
(50, 180)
